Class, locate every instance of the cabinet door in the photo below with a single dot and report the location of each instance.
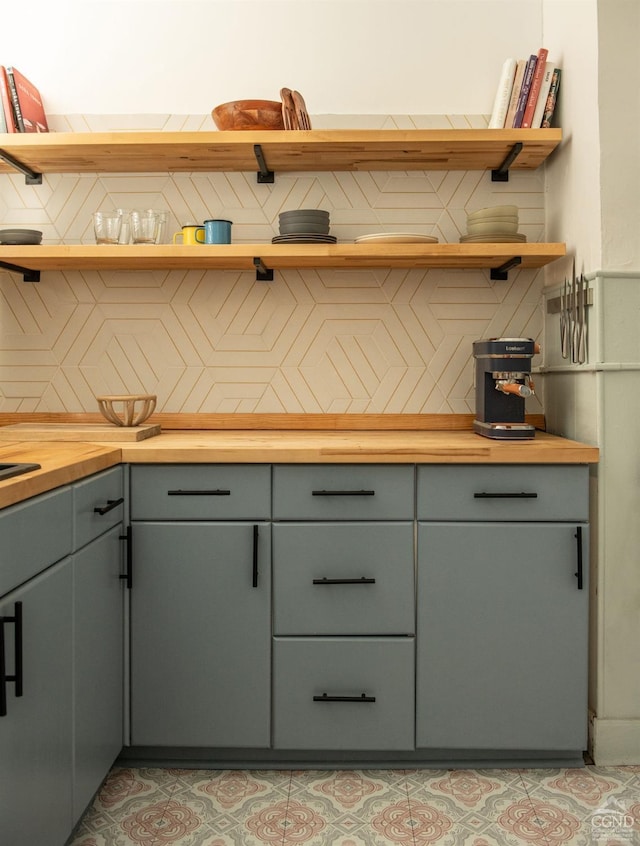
(35, 734)
(501, 636)
(98, 663)
(200, 634)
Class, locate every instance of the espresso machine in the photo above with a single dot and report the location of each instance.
(503, 382)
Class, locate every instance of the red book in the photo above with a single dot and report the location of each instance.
(30, 115)
(534, 91)
(5, 101)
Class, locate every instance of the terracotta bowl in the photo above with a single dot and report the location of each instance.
(127, 409)
(249, 114)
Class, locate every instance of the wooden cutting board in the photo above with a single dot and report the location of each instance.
(77, 432)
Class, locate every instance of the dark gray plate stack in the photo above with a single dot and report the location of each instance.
(304, 226)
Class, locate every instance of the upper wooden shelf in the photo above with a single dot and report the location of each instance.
(317, 150)
(276, 256)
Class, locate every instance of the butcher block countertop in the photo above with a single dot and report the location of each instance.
(63, 462)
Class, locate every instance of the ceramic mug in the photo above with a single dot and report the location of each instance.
(189, 234)
(217, 231)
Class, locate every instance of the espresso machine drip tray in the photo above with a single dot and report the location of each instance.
(504, 431)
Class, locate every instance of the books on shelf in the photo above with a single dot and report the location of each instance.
(526, 93)
(28, 113)
(5, 102)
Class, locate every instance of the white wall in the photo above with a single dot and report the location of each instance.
(345, 56)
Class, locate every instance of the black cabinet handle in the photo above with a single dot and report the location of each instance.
(17, 677)
(326, 698)
(521, 495)
(214, 492)
(128, 576)
(255, 556)
(343, 493)
(579, 574)
(111, 504)
(362, 581)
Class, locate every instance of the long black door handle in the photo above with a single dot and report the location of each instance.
(362, 581)
(343, 493)
(213, 492)
(128, 575)
(111, 504)
(326, 698)
(519, 495)
(255, 556)
(579, 572)
(17, 677)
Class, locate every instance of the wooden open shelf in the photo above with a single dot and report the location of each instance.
(277, 256)
(316, 150)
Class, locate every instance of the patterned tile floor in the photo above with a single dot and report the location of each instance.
(594, 806)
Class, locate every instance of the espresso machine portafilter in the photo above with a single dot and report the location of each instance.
(503, 382)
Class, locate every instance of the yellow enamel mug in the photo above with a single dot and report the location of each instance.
(189, 235)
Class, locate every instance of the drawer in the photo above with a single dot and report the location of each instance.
(319, 685)
(33, 535)
(200, 491)
(343, 492)
(343, 578)
(503, 492)
(98, 505)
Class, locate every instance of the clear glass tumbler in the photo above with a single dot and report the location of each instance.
(144, 225)
(107, 227)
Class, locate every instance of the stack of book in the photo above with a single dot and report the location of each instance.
(527, 93)
(21, 105)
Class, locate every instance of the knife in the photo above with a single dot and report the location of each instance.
(564, 329)
(582, 334)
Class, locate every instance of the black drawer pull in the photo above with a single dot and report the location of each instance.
(343, 493)
(255, 557)
(111, 504)
(521, 495)
(579, 573)
(215, 492)
(17, 677)
(326, 698)
(362, 581)
(128, 576)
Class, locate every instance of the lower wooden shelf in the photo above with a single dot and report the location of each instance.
(501, 257)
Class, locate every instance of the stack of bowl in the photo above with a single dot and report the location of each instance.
(494, 224)
(309, 225)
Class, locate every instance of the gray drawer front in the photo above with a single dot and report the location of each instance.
(379, 553)
(33, 535)
(343, 492)
(104, 492)
(343, 667)
(501, 492)
(200, 491)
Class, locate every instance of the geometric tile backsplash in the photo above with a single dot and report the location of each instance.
(312, 341)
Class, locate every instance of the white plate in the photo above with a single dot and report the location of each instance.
(396, 238)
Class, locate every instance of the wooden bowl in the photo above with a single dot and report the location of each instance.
(249, 114)
(128, 415)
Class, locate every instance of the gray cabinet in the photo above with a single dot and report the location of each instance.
(344, 607)
(98, 656)
(201, 606)
(36, 726)
(502, 609)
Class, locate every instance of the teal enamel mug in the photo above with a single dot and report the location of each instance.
(217, 231)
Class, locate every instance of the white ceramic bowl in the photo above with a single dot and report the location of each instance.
(493, 211)
(492, 228)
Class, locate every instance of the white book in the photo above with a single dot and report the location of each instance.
(515, 93)
(536, 122)
(503, 94)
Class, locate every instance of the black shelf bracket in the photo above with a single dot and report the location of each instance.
(265, 176)
(501, 174)
(263, 274)
(27, 275)
(501, 273)
(30, 176)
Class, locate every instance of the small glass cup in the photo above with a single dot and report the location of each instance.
(163, 219)
(107, 227)
(144, 226)
(125, 230)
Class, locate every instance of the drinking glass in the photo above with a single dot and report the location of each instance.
(107, 227)
(144, 226)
